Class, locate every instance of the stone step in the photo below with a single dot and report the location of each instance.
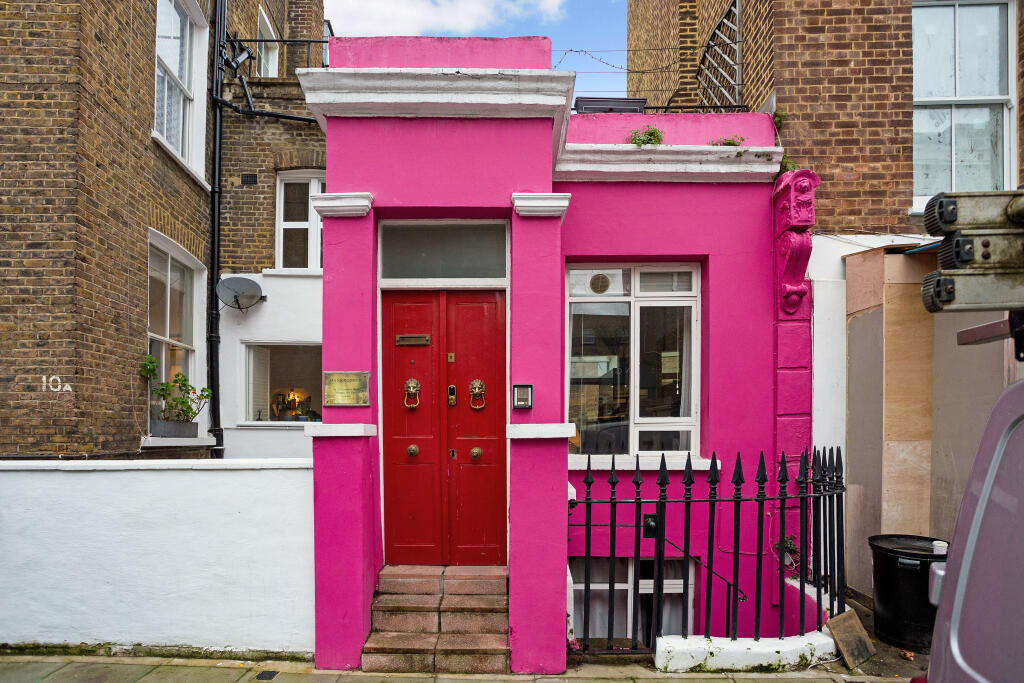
(410, 579)
(474, 614)
(469, 580)
(399, 652)
(400, 613)
(473, 653)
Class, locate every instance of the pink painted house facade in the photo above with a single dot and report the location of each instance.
(528, 291)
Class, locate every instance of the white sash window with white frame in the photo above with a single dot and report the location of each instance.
(964, 93)
(633, 362)
(299, 227)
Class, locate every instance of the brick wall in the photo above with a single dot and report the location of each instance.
(757, 52)
(262, 146)
(844, 77)
(39, 86)
(81, 182)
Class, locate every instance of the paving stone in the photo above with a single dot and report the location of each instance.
(398, 663)
(90, 672)
(399, 643)
(16, 672)
(470, 663)
(474, 622)
(476, 572)
(423, 586)
(472, 643)
(213, 674)
(392, 602)
(406, 622)
(475, 586)
(289, 677)
(409, 571)
(474, 603)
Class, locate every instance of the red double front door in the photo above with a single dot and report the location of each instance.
(444, 427)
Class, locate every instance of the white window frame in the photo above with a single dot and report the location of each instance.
(243, 413)
(313, 223)
(1008, 101)
(670, 587)
(196, 358)
(648, 460)
(192, 155)
(266, 51)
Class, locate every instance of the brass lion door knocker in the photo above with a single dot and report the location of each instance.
(412, 391)
(476, 393)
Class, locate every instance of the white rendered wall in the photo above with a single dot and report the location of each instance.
(292, 314)
(205, 553)
(827, 272)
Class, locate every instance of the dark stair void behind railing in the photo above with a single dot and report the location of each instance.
(816, 498)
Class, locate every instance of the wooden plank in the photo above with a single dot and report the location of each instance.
(852, 640)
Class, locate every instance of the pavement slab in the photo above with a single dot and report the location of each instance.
(16, 672)
(187, 674)
(97, 672)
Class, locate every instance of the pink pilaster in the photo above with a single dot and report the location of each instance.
(346, 501)
(538, 524)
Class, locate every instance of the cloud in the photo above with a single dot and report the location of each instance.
(420, 17)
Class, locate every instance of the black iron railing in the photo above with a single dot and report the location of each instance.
(812, 502)
(697, 109)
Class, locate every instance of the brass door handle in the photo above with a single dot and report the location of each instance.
(476, 393)
(412, 391)
(413, 450)
(475, 452)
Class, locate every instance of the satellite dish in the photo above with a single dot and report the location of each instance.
(239, 292)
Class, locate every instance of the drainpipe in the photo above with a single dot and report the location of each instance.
(212, 307)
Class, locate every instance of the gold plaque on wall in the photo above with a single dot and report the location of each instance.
(346, 388)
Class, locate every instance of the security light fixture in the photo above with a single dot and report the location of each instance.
(239, 58)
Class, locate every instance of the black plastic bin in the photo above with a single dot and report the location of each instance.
(903, 615)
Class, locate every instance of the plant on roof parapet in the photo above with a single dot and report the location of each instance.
(730, 141)
(648, 136)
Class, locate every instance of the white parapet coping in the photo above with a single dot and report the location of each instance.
(321, 429)
(541, 203)
(538, 430)
(667, 163)
(675, 654)
(84, 465)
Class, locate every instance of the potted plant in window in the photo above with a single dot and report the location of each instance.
(180, 400)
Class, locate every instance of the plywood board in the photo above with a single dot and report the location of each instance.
(865, 275)
(852, 640)
(909, 332)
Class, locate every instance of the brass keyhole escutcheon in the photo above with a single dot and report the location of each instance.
(475, 452)
(413, 450)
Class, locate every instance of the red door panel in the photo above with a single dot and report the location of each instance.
(443, 505)
(413, 524)
(476, 336)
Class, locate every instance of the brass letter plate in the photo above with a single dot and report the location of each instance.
(412, 340)
(346, 389)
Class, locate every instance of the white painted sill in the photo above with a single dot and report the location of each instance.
(193, 173)
(164, 442)
(627, 463)
(294, 272)
(271, 425)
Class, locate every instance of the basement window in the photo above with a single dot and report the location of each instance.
(283, 383)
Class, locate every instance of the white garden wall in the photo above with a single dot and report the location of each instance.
(207, 553)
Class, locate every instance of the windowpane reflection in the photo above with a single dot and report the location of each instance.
(599, 377)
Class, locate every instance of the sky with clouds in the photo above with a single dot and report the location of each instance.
(595, 25)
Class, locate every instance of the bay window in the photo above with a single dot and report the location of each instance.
(633, 364)
(963, 92)
(298, 225)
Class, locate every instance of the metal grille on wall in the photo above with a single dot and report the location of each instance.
(720, 73)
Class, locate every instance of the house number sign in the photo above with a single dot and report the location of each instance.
(346, 388)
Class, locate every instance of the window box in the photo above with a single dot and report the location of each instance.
(172, 429)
